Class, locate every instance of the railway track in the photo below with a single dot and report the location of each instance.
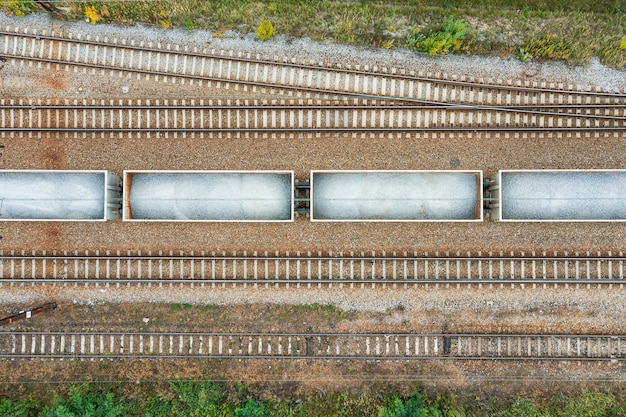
(252, 73)
(310, 269)
(130, 118)
(110, 345)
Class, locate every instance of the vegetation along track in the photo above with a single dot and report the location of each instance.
(254, 73)
(102, 345)
(181, 117)
(310, 269)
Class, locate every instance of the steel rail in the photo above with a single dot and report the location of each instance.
(345, 281)
(66, 255)
(338, 108)
(361, 346)
(310, 67)
(323, 129)
(361, 105)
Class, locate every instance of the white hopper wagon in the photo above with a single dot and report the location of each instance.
(396, 196)
(585, 195)
(208, 196)
(58, 195)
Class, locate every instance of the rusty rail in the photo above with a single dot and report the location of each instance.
(28, 313)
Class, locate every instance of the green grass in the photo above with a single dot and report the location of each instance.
(206, 398)
(179, 307)
(494, 27)
(327, 313)
(449, 37)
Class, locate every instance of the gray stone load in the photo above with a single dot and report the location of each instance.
(563, 196)
(54, 195)
(396, 196)
(209, 196)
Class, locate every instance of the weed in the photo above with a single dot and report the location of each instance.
(265, 30)
(19, 7)
(219, 32)
(166, 23)
(250, 408)
(92, 14)
(449, 36)
(413, 406)
(548, 48)
(82, 402)
(22, 408)
(344, 27)
(622, 44)
(189, 24)
(524, 55)
(178, 307)
(388, 44)
(199, 399)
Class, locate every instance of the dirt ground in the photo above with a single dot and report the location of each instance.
(318, 318)
(284, 379)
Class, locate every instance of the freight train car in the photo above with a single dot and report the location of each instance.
(396, 196)
(558, 196)
(208, 196)
(42, 195)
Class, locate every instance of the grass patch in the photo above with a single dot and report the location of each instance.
(547, 48)
(498, 27)
(206, 398)
(327, 313)
(179, 307)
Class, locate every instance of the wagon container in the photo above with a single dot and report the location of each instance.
(582, 195)
(208, 196)
(396, 196)
(59, 195)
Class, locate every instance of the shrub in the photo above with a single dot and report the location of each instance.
(592, 404)
(412, 407)
(189, 24)
(449, 36)
(265, 30)
(18, 408)
(85, 402)
(250, 408)
(19, 7)
(92, 14)
(199, 399)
